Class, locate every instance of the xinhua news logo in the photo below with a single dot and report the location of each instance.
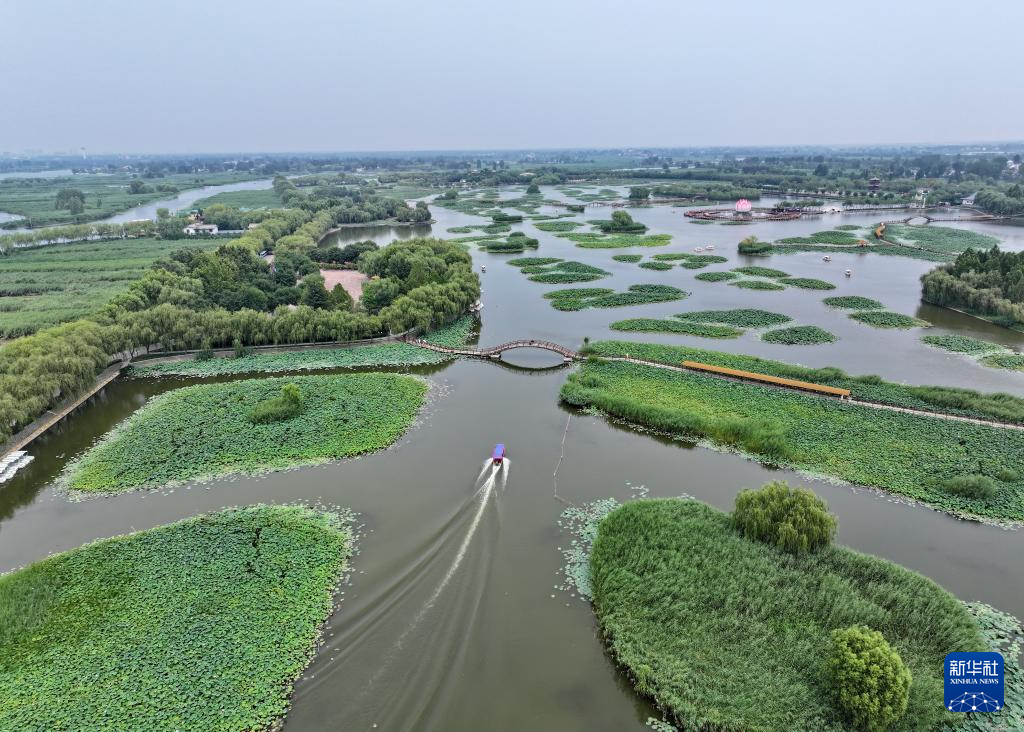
(974, 682)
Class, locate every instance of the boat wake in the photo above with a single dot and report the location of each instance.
(394, 653)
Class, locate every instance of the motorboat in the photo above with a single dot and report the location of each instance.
(826, 258)
(848, 272)
(483, 267)
(498, 456)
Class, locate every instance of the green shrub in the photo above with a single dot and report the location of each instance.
(793, 519)
(204, 354)
(973, 486)
(752, 245)
(280, 408)
(869, 681)
(1007, 475)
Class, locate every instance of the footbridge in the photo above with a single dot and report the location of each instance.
(495, 351)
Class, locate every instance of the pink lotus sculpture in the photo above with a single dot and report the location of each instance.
(743, 206)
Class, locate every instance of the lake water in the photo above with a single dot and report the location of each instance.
(500, 648)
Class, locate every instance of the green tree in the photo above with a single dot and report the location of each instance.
(793, 519)
(314, 294)
(162, 213)
(70, 199)
(341, 299)
(869, 681)
(532, 189)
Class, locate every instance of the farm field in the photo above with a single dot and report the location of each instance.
(44, 286)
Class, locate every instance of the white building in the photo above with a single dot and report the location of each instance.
(197, 228)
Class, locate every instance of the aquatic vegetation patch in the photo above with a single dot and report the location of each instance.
(565, 273)
(905, 453)
(578, 299)
(201, 624)
(740, 317)
(799, 335)
(950, 400)
(853, 302)
(557, 226)
(617, 241)
(697, 261)
(658, 266)
(758, 285)
(962, 344)
(807, 283)
(942, 239)
(631, 258)
(202, 431)
(887, 319)
(835, 237)
(1012, 361)
(757, 271)
(532, 261)
(653, 325)
(671, 256)
(717, 276)
(728, 594)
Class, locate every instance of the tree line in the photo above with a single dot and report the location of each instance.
(989, 283)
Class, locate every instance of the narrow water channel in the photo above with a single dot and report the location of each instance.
(452, 619)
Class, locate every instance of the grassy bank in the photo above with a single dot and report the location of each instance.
(262, 198)
(204, 431)
(964, 402)
(728, 633)
(912, 455)
(201, 624)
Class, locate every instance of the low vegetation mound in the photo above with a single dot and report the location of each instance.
(685, 602)
(620, 223)
(699, 261)
(659, 266)
(557, 226)
(630, 258)
(201, 624)
(887, 319)
(757, 271)
(717, 276)
(532, 261)
(208, 431)
(961, 344)
(799, 335)
(654, 325)
(853, 302)
(792, 519)
(909, 454)
(740, 317)
(758, 285)
(596, 297)
(807, 283)
(565, 273)
(281, 408)
(617, 241)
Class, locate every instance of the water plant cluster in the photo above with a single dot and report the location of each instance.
(594, 240)
(684, 600)
(203, 431)
(740, 317)
(887, 319)
(799, 335)
(717, 276)
(630, 258)
(682, 327)
(200, 624)
(557, 226)
(949, 400)
(552, 270)
(853, 302)
(516, 242)
(600, 297)
(904, 453)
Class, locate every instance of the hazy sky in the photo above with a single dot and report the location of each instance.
(293, 75)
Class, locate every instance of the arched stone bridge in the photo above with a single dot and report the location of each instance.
(495, 351)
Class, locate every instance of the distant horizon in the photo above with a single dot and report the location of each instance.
(22, 154)
(316, 75)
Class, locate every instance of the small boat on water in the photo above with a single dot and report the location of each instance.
(826, 258)
(698, 249)
(498, 456)
(710, 247)
(483, 267)
(848, 272)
